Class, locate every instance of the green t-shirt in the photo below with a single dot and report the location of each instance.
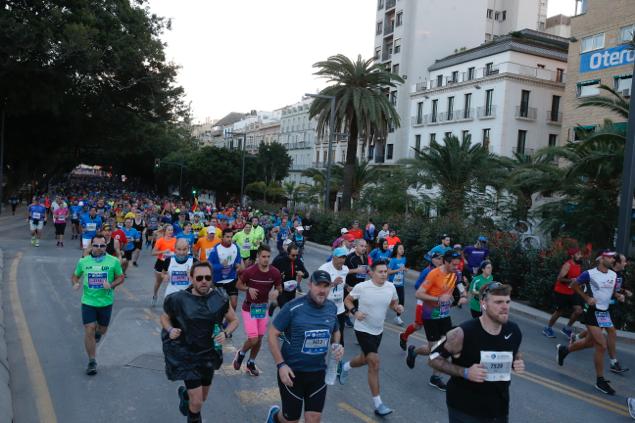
(244, 243)
(477, 283)
(94, 275)
(256, 236)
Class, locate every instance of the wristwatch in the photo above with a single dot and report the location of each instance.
(280, 365)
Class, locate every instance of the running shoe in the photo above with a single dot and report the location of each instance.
(154, 301)
(383, 410)
(562, 352)
(238, 360)
(566, 332)
(273, 410)
(91, 370)
(134, 263)
(37, 243)
(184, 400)
(62, 244)
(617, 368)
(548, 332)
(411, 357)
(603, 386)
(342, 374)
(573, 338)
(32, 240)
(398, 321)
(251, 369)
(403, 344)
(437, 382)
(631, 406)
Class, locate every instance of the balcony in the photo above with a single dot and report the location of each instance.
(389, 28)
(390, 4)
(386, 55)
(421, 86)
(464, 115)
(554, 118)
(524, 151)
(485, 112)
(318, 165)
(417, 120)
(525, 113)
(431, 119)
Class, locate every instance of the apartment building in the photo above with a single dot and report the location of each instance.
(298, 135)
(597, 56)
(411, 34)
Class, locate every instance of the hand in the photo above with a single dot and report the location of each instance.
(399, 309)
(462, 300)
(253, 293)
(591, 301)
(620, 297)
(476, 373)
(445, 298)
(107, 285)
(286, 375)
(360, 316)
(76, 286)
(220, 338)
(402, 268)
(338, 280)
(519, 366)
(175, 333)
(338, 353)
(299, 273)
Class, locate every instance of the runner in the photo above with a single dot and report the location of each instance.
(292, 271)
(397, 275)
(565, 297)
(355, 231)
(139, 224)
(188, 235)
(243, 241)
(600, 283)
(357, 263)
(205, 244)
(132, 236)
(90, 223)
(36, 216)
(14, 201)
(113, 247)
(374, 296)
(382, 252)
(257, 280)
(392, 239)
(256, 238)
(384, 232)
(309, 328)
(443, 247)
(484, 352)
(60, 214)
(163, 248)
(299, 240)
(475, 255)
(370, 232)
(100, 274)
(483, 278)
(226, 262)
(191, 319)
(338, 271)
(178, 265)
(75, 211)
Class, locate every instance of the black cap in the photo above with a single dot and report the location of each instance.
(321, 276)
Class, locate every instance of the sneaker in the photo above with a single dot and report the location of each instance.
(403, 344)
(251, 369)
(33, 240)
(37, 243)
(566, 332)
(617, 368)
(548, 332)
(97, 337)
(562, 352)
(631, 406)
(437, 382)
(411, 357)
(382, 410)
(62, 244)
(603, 386)
(154, 301)
(273, 410)
(272, 308)
(342, 374)
(134, 263)
(184, 400)
(573, 338)
(348, 322)
(238, 360)
(398, 321)
(91, 370)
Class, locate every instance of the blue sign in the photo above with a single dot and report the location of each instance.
(607, 58)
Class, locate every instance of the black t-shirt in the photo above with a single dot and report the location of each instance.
(353, 261)
(487, 399)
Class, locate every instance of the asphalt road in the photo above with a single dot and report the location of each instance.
(47, 358)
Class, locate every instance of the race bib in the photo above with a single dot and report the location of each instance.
(337, 295)
(398, 280)
(444, 309)
(91, 227)
(258, 311)
(363, 272)
(74, 216)
(316, 341)
(246, 246)
(96, 280)
(179, 278)
(290, 286)
(604, 319)
(36, 216)
(498, 365)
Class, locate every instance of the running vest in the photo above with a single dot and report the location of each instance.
(178, 275)
(489, 399)
(574, 271)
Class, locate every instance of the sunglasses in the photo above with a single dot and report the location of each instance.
(200, 278)
(99, 245)
(492, 287)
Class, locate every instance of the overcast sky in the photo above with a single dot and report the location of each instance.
(239, 55)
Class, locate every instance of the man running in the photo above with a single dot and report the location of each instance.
(90, 223)
(292, 271)
(256, 237)
(36, 216)
(75, 210)
(484, 352)
(257, 281)
(100, 273)
(226, 262)
(475, 255)
(600, 283)
(309, 328)
(192, 338)
(374, 296)
(205, 244)
(179, 265)
(132, 236)
(565, 297)
(338, 271)
(443, 247)
(357, 264)
(243, 241)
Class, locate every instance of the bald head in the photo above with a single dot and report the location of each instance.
(181, 248)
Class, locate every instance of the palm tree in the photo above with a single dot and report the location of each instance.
(362, 107)
(363, 174)
(319, 184)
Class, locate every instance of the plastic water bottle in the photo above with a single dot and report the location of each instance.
(218, 347)
(331, 369)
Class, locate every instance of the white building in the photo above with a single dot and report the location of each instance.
(298, 135)
(506, 94)
(411, 34)
(256, 127)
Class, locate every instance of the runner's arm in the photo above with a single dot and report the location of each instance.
(232, 319)
(440, 353)
(240, 284)
(274, 345)
(422, 294)
(563, 273)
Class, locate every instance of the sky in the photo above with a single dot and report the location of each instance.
(241, 55)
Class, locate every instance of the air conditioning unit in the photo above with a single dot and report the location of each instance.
(626, 92)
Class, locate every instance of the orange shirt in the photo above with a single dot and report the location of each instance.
(437, 284)
(356, 233)
(163, 244)
(392, 240)
(204, 247)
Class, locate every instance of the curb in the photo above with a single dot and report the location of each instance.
(517, 308)
(6, 402)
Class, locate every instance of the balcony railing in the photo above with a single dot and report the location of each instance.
(554, 118)
(526, 113)
(524, 151)
(464, 115)
(318, 165)
(386, 55)
(390, 4)
(389, 27)
(485, 112)
(421, 86)
(417, 120)
(431, 119)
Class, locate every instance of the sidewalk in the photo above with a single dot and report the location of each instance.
(517, 308)
(6, 403)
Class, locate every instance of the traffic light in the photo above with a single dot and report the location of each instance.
(193, 191)
(157, 162)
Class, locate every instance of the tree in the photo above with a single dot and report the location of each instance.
(273, 162)
(389, 193)
(362, 107)
(316, 191)
(363, 174)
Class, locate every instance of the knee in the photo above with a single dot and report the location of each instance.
(373, 363)
(196, 403)
(90, 329)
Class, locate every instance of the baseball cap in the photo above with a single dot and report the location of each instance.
(444, 236)
(340, 252)
(349, 237)
(299, 228)
(482, 238)
(457, 247)
(321, 276)
(343, 231)
(210, 230)
(129, 215)
(286, 243)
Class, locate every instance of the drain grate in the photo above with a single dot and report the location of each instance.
(148, 361)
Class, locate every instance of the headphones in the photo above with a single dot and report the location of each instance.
(484, 307)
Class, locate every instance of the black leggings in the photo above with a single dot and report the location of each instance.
(341, 319)
(400, 294)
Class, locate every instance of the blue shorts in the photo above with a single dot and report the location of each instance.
(101, 315)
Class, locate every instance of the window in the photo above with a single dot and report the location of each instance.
(447, 135)
(378, 29)
(559, 75)
(417, 142)
(397, 45)
(524, 103)
(435, 107)
(553, 140)
(520, 143)
(582, 131)
(554, 114)
(371, 152)
(433, 138)
(540, 66)
(592, 42)
(393, 98)
(470, 73)
(399, 18)
(489, 98)
(465, 135)
(450, 115)
(467, 103)
(420, 112)
(503, 15)
(588, 88)
(439, 80)
(486, 135)
(496, 15)
(395, 69)
(489, 68)
(455, 76)
(377, 52)
(389, 152)
(627, 32)
(623, 82)
(380, 4)
(490, 13)
(317, 157)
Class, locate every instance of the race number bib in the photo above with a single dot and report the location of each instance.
(363, 271)
(91, 227)
(337, 295)
(444, 309)
(258, 311)
(316, 341)
(398, 280)
(604, 319)
(246, 245)
(179, 278)
(498, 365)
(290, 286)
(36, 216)
(96, 280)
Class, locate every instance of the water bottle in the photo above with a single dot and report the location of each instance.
(331, 369)
(218, 347)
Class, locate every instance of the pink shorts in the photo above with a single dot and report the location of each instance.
(254, 327)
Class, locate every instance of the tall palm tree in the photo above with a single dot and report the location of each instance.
(362, 106)
(363, 174)
(319, 184)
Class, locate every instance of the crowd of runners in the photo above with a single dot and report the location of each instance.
(205, 256)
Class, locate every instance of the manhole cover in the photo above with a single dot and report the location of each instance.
(149, 361)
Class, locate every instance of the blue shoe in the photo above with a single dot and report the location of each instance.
(343, 374)
(383, 410)
(184, 400)
(566, 332)
(273, 410)
(548, 332)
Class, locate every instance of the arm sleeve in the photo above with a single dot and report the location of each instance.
(583, 278)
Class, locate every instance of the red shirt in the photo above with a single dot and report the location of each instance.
(392, 240)
(575, 270)
(120, 236)
(253, 277)
(356, 233)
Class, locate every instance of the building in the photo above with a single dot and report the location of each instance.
(298, 135)
(261, 132)
(203, 132)
(597, 55)
(411, 34)
(559, 25)
(505, 94)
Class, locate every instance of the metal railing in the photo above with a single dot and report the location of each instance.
(486, 112)
(390, 4)
(526, 113)
(524, 151)
(554, 117)
(416, 120)
(386, 55)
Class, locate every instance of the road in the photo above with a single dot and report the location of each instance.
(47, 359)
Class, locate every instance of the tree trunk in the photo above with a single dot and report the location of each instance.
(349, 167)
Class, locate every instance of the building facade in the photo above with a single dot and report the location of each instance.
(597, 56)
(298, 135)
(505, 94)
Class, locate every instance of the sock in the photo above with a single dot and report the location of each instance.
(242, 353)
(409, 331)
(377, 401)
(347, 366)
(251, 361)
(613, 361)
(193, 417)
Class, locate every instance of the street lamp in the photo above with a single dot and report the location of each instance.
(158, 163)
(230, 134)
(332, 98)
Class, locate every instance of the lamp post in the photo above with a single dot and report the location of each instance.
(179, 164)
(332, 98)
(230, 134)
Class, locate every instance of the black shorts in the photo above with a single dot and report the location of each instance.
(590, 318)
(253, 254)
(436, 328)
(128, 255)
(566, 302)
(367, 342)
(207, 374)
(229, 287)
(75, 221)
(60, 228)
(101, 315)
(138, 245)
(308, 389)
(161, 266)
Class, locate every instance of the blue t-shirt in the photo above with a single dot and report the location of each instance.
(76, 212)
(191, 238)
(475, 256)
(439, 249)
(378, 254)
(307, 330)
(398, 278)
(37, 212)
(422, 276)
(132, 235)
(90, 225)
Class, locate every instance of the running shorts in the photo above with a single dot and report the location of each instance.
(161, 266)
(436, 328)
(207, 374)
(591, 318)
(254, 327)
(86, 242)
(75, 221)
(36, 225)
(138, 245)
(128, 255)
(367, 342)
(60, 228)
(229, 287)
(253, 254)
(101, 315)
(308, 389)
(566, 302)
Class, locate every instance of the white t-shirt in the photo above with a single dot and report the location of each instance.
(373, 301)
(337, 291)
(602, 286)
(178, 275)
(227, 256)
